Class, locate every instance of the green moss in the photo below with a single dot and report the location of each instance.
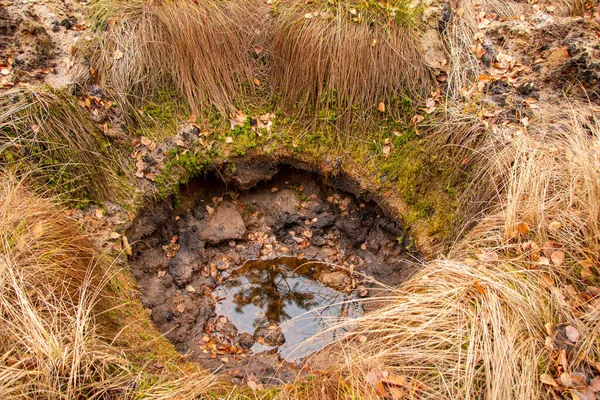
(426, 183)
(159, 116)
(179, 169)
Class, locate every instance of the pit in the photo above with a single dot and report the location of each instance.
(246, 269)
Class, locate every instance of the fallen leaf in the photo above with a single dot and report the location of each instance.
(118, 55)
(381, 107)
(417, 119)
(523, 228)
(488, 256)
(126, 246)
(386, 151)
(374, 377)
(572, 333)
(228, 139)
(429, 105)
(140, 166)
(98, 213)
(396, 380)
(546, 280)
(192, 119)
(548, 380)
(558, 258)
(479, 288)
(253, 385)
(554, 226)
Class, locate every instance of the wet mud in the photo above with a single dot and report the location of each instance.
(246, 272)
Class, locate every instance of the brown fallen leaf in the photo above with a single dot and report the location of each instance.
(126, 246)
(523, 228)
(572, 333)
(381, 107)
(429, 106)
(558, 258)
(374, 377)
(486, 256)
(117, 55)
(546, 280)
(548, 380)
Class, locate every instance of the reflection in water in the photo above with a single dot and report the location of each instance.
(285, 292)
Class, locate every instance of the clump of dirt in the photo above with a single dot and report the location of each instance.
(233, 278)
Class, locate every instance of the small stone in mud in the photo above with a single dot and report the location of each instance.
(271, 335)
(246, 341)
(337, 280)
(225, 224)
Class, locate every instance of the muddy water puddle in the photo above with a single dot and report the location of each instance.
(284, 304)
(248, 282)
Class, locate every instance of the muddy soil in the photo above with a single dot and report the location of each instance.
(231, 275)
(37, 39)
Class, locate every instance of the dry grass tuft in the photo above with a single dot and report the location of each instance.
(456, 331)
(45, 134)
(548, 178)
(52, 282)
(478, 328)
(457, 34)
(202, 48)
(336, 58)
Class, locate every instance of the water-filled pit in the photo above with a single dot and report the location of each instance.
(247, 281)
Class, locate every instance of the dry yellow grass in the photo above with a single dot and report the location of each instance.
(548, 178)
(456, 331)
(202, 48)
(52, 285)
(45, 134)
(475, 325)
(345, 58)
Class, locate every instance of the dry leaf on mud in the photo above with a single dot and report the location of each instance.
(139, 166)
(172, 248)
